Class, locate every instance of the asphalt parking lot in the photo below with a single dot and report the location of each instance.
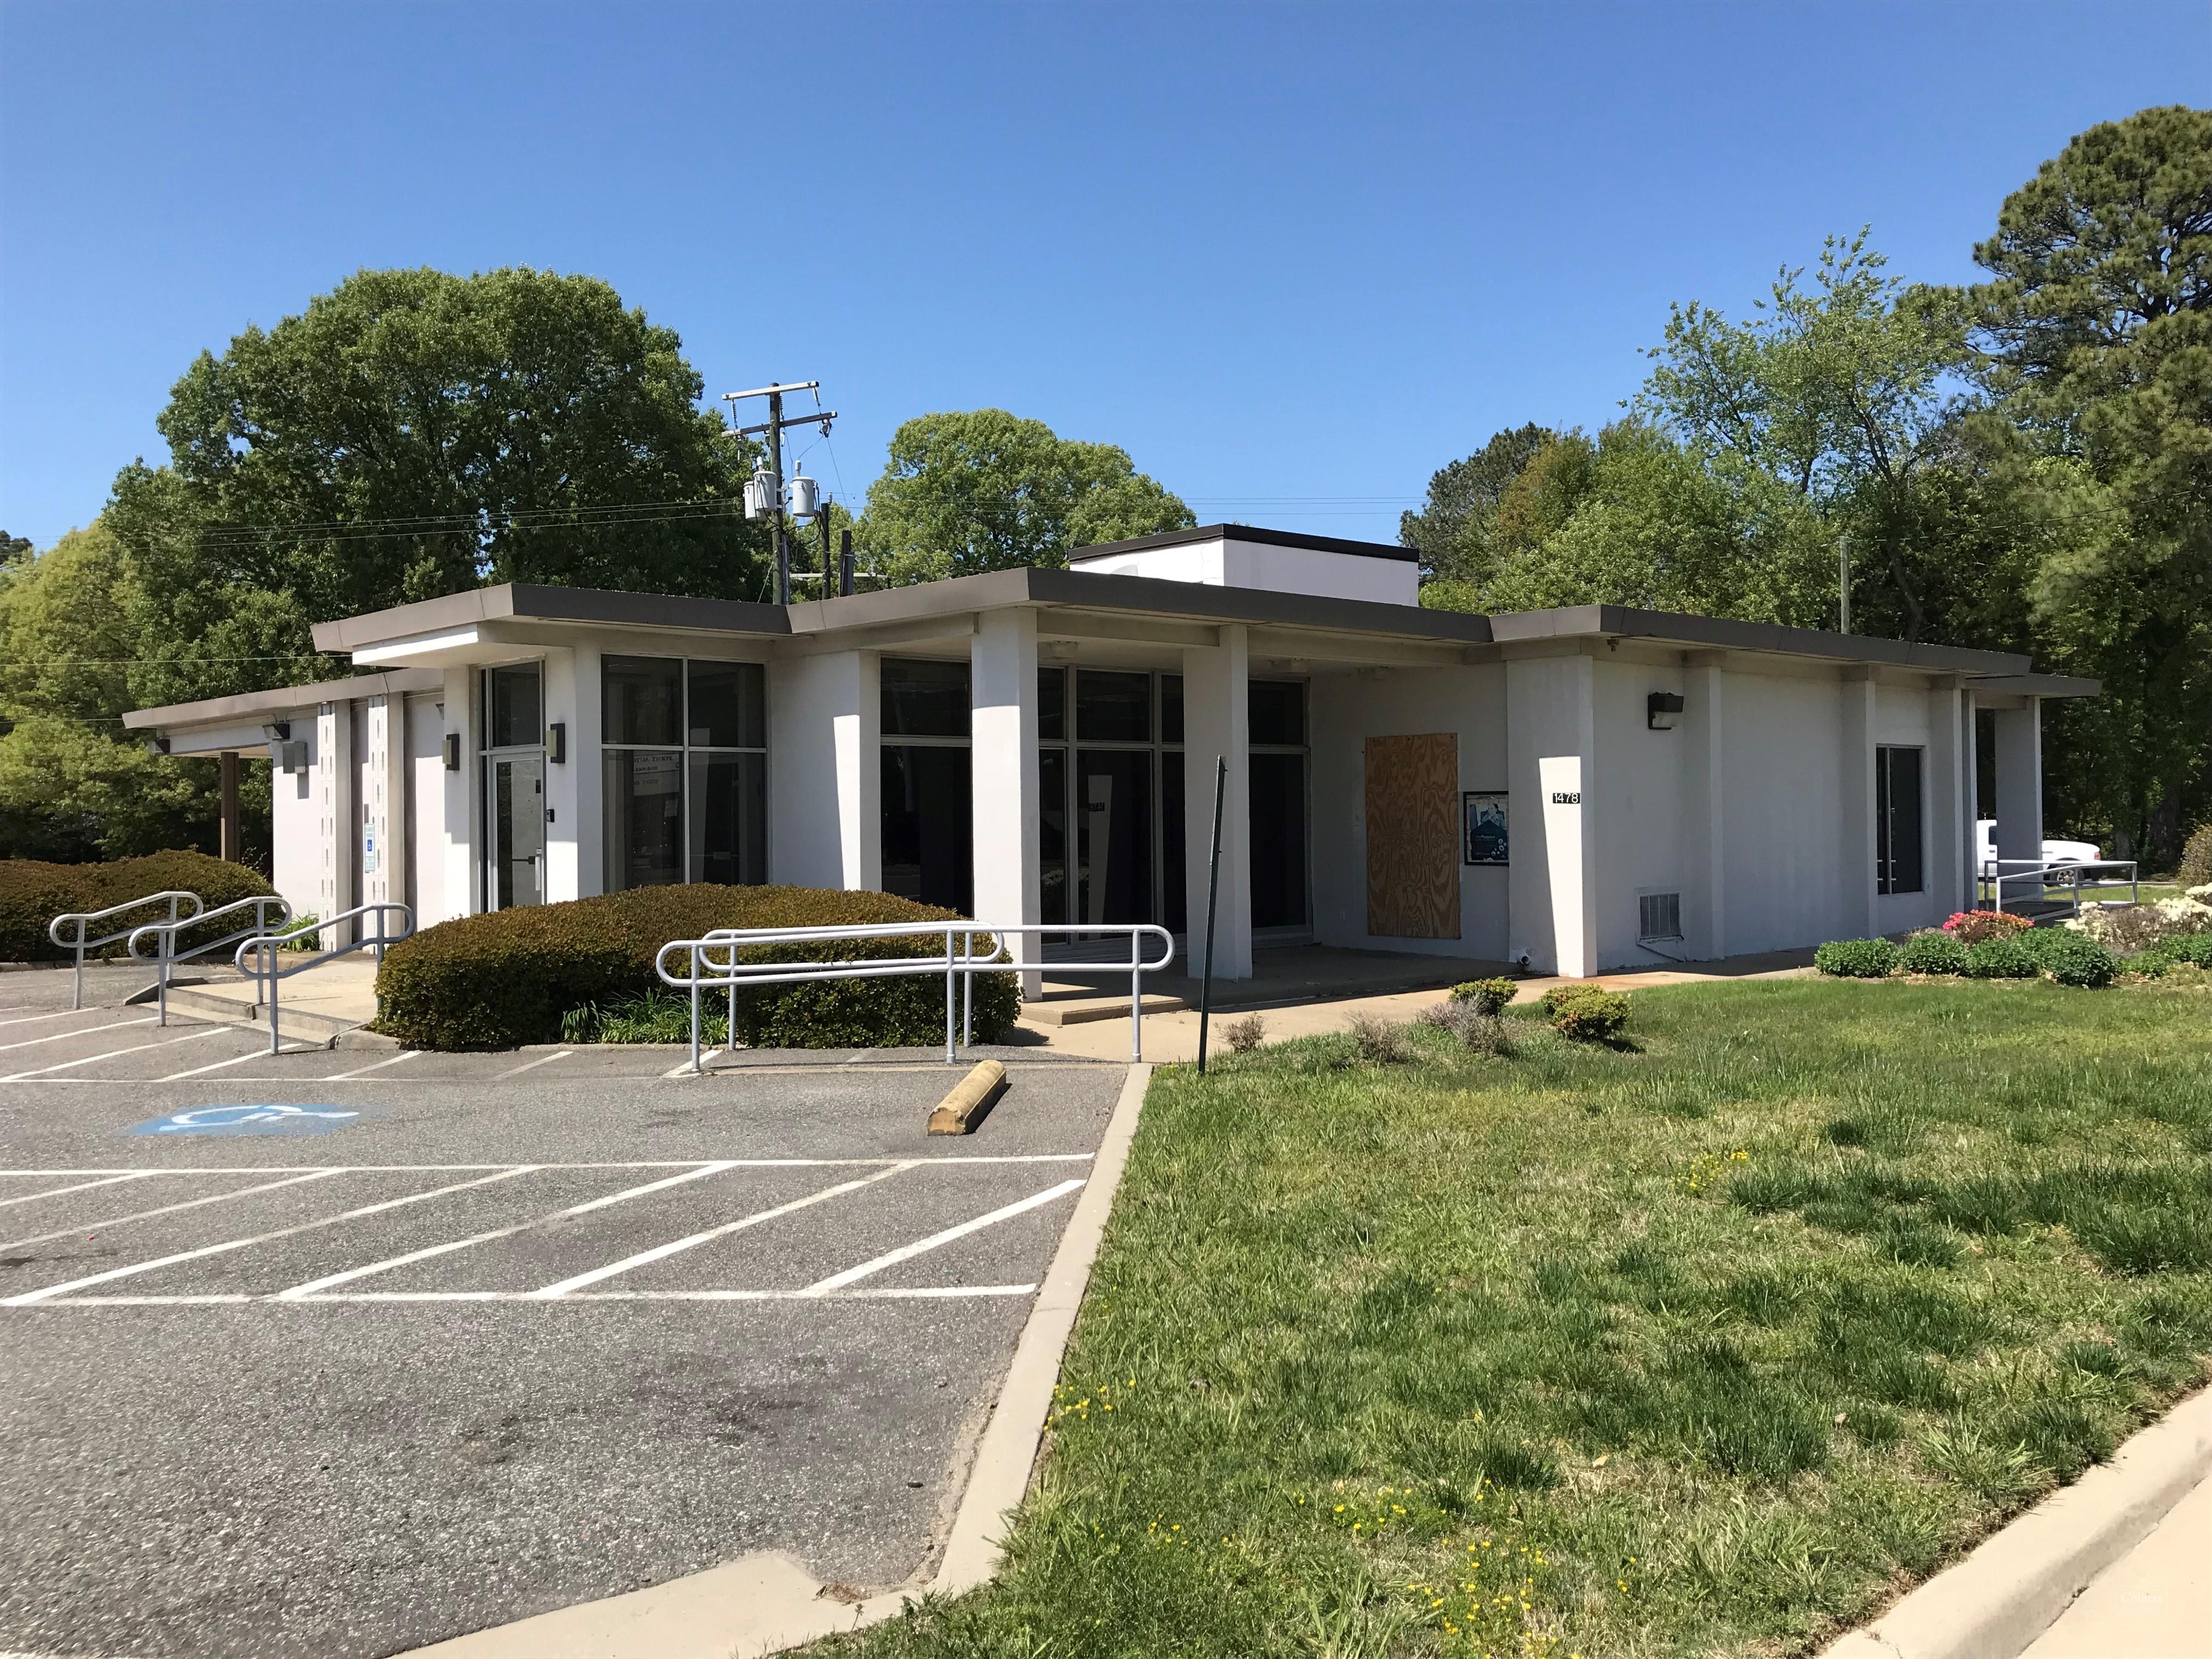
(344, 1352)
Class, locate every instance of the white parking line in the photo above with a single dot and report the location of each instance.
(926, 1292)
(630, 1164)
(907, 1252)
(301, 1292)
(64, 1289)
(662, 1252)
(685, 1070)
(113, 1054)
(59, 1014)
(88, 1030)
(81, 1185)
(363, 1071)
(531, 1065)
(171, 1209)
(255, 1053)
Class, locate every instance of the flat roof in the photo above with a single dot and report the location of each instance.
(393, 681)
(1247, 532)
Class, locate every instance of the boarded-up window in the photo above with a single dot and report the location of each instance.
(1413, 836)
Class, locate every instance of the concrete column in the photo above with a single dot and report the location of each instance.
(383, 816)
(1856, 880)
(463, 822)
(1002, 678)
(1551, 758)
(2019, 793)
(336, 790)
(825, 771)
(1706, 720)
(563, 851)
(1950, 799)
(587, 771)
(1217, 717)
(227, 782)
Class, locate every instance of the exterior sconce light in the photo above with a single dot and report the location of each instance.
(1662, 710)
(556, 743)
(277, 730)
(453, 751)
(157, 745)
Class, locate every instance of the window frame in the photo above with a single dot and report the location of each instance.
(684, 750)
(1886, 825)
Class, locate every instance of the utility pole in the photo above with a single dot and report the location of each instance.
(1844, 582)
(764, 495)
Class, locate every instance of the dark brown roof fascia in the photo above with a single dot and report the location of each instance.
(1621, 622)
(391, 683)
(1246, 533)
(536, 601)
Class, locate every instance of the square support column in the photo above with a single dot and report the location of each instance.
(1950, 798)
(565, 850)
(1856, 880)
(1551, 759)
(1707, 723)
(464, 883)
(1002, 678)
(2020, 795)
(826, 771)
(337, 789)
(226, 828)
(383, 816)
(1217, 720)
(588, 771)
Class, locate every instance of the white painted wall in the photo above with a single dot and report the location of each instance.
(1645, 833)
(335, 786)
(381, 817)
(1782, 842)
(298, 860)
(1002, 680)
(1550, 749)
(425, 808)
(1903, 717)
(462, 887)
(2019, 742)
(1228, 563)
(1347, 709)
(565, 785)
(825, 776)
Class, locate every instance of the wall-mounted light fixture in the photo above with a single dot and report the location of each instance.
(157, 745)
(277, 730)
(1662, 710)
(453, 751)
(556, 743)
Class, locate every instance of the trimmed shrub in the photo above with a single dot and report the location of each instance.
(1856, 958)
(2071, 959)
(1586, 1013)
(2000, 959)
(509, 977)
(1379, 1042)
(1487, 996)
(1933, 952)
(2195, 948)
(1972, 926)
(2195, 867)
(32, 893)
(1465, 1021)
(1245, 1035)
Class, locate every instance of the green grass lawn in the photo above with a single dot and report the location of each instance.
(1706, 1344)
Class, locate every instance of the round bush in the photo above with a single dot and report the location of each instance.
(2195, 948)
(2000, 959)
(1489, 996)
(1586, 1013)
(2073, 960)
(506, 978)
(1932, 953)
(1856, 958)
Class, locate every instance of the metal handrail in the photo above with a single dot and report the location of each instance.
(959, 964)
(1993, 877)
(264, 948)
(164, 934)
(85, 918)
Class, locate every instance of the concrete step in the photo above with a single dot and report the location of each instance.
(240, 1008)
(1082, 1010)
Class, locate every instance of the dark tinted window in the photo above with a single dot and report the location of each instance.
(927, 854)
(1899, 855)
(514, 707)
(1171, 709)
(1113, 708)
(924, 699)
(1277, 712)
(1051, 705)
(725, 705)
(644, 699)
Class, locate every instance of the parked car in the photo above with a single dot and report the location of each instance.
(2054, 852)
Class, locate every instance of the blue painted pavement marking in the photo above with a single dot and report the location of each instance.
(247, 1119)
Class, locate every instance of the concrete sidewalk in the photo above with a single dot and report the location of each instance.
(2155, 1602)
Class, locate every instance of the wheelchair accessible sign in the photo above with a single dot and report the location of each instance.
(244, 1120)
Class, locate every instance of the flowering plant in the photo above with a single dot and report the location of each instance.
(1972, 926)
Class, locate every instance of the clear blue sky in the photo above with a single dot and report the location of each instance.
(1292, 257)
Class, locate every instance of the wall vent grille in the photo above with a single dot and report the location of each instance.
(1659, 916)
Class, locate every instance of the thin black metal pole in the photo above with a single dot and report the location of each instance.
(844, 563)
(1212, 897)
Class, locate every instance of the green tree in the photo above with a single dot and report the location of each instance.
(2096, 326)
(1452, 530)
(413, 434)
(979, 489)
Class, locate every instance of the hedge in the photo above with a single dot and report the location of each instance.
(506, 978)
(1933, 952)
(1856, 958)
(1586, 1013)
(32, 894)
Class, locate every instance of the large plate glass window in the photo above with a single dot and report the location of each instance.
(1109, 779)
(927, 805)
(685, 763)
(1899, 866)
(1278, 738)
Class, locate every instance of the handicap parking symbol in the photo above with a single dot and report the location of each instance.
(247, 1119)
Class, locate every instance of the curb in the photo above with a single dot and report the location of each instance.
(2016, 1584)
(767, 1602)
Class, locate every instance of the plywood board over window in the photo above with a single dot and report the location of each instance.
(1413, 836)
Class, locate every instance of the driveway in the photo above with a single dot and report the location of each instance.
(345, 1352)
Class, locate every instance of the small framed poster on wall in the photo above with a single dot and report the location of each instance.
(1483, 827)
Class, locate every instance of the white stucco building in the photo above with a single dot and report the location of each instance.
(1581, 789)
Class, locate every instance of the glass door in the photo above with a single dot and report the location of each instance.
(518, 831)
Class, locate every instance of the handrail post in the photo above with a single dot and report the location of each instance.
(161, 996)
(76, 998)
(697, 1070)
(968, 989)
(951, 1053)
(269, 966)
